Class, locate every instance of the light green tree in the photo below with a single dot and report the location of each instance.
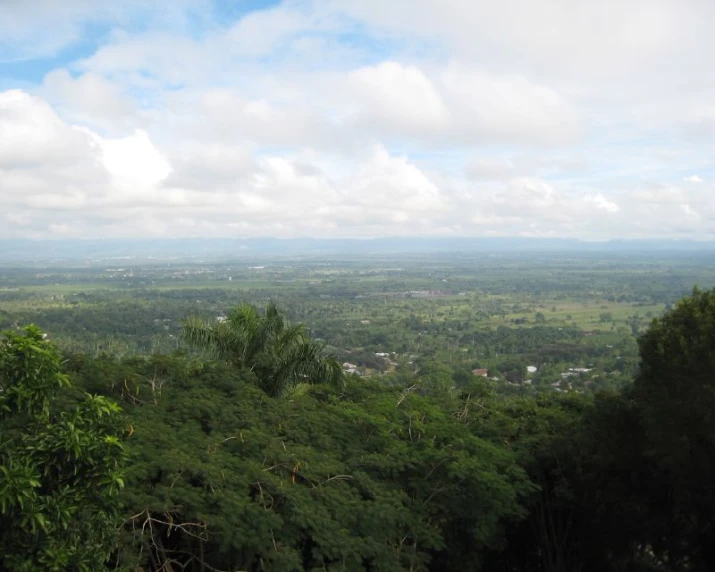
(60, 463)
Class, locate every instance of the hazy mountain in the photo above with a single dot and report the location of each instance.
(18, 251)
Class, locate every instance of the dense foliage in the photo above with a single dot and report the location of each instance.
(430, 471)
(60, 464)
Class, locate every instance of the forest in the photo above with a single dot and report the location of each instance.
(501, 415)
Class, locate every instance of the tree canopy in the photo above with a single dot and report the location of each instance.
(675, 394)
(60, 463)
(231, 468)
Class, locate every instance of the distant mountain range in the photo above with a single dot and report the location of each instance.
(19, 251)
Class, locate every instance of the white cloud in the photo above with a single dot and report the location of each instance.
(489, 169)
(25, 25)
(387, 183)
(564, 37)
(660, 194)
(488, 107)
(481, 168)
(209, 165)
(602, 203)
(32, 29)
(133, 188)
(690, 212)
(226, 115)
(453, 107)
(360, 119)
(258, 33)
(90, 100)
(31, 134)
(134, 162)
(397, 96)
(67, 180)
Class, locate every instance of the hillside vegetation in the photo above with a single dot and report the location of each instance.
(261, 455)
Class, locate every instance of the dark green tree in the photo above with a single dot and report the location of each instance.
(60, 466)
(372, 477)
(675, 393)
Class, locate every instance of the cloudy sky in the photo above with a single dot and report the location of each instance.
(328, 118)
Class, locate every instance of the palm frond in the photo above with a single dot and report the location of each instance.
(284, 355)
(198, 334)
(297, 390)
(219, 340)
(289, 336)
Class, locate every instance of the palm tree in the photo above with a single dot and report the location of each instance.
(282, 355)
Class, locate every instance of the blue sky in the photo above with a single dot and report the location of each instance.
(357, 119)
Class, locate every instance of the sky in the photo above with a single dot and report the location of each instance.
(344, 118)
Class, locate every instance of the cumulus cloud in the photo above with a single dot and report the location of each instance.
(396, 96)
(90, 99)
(24, 26)
(602, 203)
(130, 185)
(453, 107)
(31, 134)
(67, 180)
(499, 108)
(258, 33)
(554, 37)
(358, 119)
(133, 162)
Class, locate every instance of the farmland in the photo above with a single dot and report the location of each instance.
(502, 312)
